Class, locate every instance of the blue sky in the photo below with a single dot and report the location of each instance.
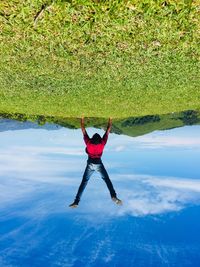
(156, 176)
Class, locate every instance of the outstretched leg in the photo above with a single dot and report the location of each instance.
(86, 176)
(104, 175)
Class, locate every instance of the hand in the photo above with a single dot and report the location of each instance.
(110, 121)
(82, 120)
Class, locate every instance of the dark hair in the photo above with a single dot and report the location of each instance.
(96, 139)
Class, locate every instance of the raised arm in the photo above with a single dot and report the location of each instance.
(83, 126)
(105, 137)
(85, 135)
(109, 126)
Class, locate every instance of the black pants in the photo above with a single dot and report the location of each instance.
(89, 170)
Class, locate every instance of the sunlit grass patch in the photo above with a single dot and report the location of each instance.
(99, 58)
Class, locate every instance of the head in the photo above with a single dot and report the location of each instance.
(96, 139)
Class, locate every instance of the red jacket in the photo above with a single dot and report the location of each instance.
(95, 151)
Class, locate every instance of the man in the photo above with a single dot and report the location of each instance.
(94, 149)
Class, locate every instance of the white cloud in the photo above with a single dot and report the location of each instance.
(168, 141)
(119, 148)
(35, 159)
(185, 137)
(141, 195)
(156, 195)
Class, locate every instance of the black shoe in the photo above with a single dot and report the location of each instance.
(117, 200)
(73, 205)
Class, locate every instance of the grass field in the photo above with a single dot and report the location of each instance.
(99, 58)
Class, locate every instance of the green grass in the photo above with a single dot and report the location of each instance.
(99, 58)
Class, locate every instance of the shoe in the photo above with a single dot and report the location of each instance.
(117, 200)
(73, 205)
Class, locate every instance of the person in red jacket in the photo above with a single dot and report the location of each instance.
(94, 149)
